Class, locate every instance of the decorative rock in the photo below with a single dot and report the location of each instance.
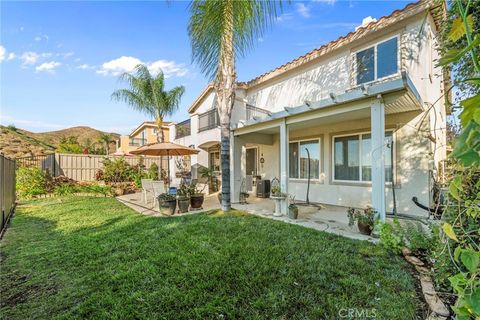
(406, 252)
(414, 260)
(436, 305)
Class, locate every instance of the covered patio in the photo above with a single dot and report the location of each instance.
(360, 130)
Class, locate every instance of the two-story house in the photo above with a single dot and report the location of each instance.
(358, 121)
(145, 133)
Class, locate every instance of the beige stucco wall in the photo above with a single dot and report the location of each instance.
(413, 162)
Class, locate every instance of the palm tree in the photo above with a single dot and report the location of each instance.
(106, 138)
(146, 93)
(220, 32)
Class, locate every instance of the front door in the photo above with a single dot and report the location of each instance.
(251, 167)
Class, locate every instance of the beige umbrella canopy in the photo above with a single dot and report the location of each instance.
(165, 149)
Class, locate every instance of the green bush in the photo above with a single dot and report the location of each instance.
(30, 182)
(117, 170)
(153, 171)
(410, 234)
(390, 236)
(64, 190)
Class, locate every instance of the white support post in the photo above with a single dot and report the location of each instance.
(378, 156)
(237, 151)
(284, 138)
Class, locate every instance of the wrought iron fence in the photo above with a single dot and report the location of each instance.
(182, 129)
(208, 120)
(137, 142)
(253, 111)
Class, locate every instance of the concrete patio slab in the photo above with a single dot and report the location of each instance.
(331, 219)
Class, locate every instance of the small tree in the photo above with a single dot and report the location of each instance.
(147, 94)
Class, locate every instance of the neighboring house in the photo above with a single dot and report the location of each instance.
(143, 134)
(368, 107)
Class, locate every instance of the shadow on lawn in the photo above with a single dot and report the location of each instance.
(104, 261)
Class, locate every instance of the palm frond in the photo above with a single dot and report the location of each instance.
(210, 18)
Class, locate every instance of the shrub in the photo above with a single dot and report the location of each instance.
(30, 182)
(153, 171)
(117, 170)
(64, 190)
(390, 236)
(410, 234)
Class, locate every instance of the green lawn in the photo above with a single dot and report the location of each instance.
(95, 258)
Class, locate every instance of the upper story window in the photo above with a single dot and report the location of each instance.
(378, 61)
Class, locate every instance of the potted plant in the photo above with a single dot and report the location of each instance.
(292, 209)
(196, 196)
(365, 219)
(167, 204)
(183, 199)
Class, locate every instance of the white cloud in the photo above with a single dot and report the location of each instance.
(3, 53)
(37, 38)
(284, 17)
(118, 66)
(260, 39)
(169, 68)
(29, 58)
(48, 66)
(5, 56)
(329, 2)
(123, 64)
(85, 66)
(302, 10)
(28, 124)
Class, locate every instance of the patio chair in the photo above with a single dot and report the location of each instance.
(158, 189)
(147, 188)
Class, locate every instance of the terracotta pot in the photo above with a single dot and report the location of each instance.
(168, 207)
(364, 228)
(196, 201)
(183, 204)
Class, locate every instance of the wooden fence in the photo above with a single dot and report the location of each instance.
(7, 189)
(82, 167)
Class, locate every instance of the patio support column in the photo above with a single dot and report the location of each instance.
(237, 172)
(284, 138)
(378, 156)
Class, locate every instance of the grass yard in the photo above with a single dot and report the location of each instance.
(80, 257)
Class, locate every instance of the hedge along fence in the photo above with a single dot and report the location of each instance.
(7, 189)
(82, 167)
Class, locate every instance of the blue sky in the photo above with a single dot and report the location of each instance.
(59, 61)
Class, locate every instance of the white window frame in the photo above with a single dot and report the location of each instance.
(374, 46)
(359, 134)
(298, 163)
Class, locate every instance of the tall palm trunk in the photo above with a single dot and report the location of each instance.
(160, 135)
(225, 89)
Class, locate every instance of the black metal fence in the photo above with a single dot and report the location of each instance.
(182, 129)
(7, 190)
(44, 162)
(208, 120)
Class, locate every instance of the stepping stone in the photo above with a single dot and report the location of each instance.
(414, 260)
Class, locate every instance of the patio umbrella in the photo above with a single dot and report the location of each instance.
(165, 149)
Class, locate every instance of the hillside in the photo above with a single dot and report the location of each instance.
(15, 143)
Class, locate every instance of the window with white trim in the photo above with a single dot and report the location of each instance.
(352, 158)
(299, 153)
(378, 61)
